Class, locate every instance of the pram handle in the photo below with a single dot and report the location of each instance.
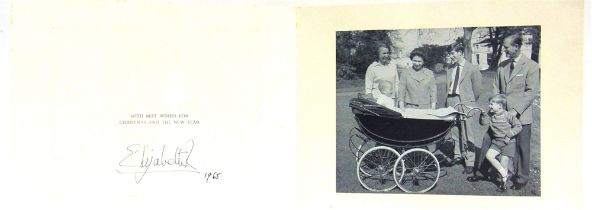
(460, 106)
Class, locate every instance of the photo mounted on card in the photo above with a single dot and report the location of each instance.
(439, 111)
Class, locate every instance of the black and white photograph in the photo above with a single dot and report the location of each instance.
(452, 111)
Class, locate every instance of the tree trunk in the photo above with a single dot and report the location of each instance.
(468, 34)
(496, 45)
(493, 44)
(498, 57)
(536, 44)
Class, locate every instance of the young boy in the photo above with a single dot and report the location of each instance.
(386, 91)
(503, 127)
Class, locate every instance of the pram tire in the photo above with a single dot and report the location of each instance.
(421, 171)
(375, 168)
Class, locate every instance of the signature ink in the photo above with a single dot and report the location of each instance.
(145, 159)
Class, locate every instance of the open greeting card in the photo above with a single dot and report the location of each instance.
(113, 104)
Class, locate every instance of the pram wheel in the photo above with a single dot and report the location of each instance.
(375, 169)
(417, 171)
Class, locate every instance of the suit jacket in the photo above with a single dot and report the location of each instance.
(520, 88)
(469, 88)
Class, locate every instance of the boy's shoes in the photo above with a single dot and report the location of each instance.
(468, 170)
(502, 187)
(503, 184)
(517, 186)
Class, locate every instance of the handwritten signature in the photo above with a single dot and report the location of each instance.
(142, 159)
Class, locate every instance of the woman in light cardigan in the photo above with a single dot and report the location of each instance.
(382, 69)
(417, 87)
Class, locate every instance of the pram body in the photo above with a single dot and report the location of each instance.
(398, 156)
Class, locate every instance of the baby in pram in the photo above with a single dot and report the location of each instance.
(384, 98)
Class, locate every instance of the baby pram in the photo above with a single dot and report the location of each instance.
(389, 145)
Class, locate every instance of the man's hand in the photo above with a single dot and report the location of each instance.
(513, 112)
(507, 140)
(483, 114)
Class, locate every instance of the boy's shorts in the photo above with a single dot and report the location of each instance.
(505, 149)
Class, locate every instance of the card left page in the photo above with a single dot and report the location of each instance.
(147, 104)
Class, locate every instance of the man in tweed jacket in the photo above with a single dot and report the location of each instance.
(518, 78)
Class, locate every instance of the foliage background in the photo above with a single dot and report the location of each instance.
(357, 49)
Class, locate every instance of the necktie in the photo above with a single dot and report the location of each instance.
(511, 65)
(456, 77)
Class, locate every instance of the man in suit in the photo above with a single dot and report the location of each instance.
(463, 85)
(518, 78)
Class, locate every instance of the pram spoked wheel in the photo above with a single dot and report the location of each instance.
(375, 169)
(418, 171)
